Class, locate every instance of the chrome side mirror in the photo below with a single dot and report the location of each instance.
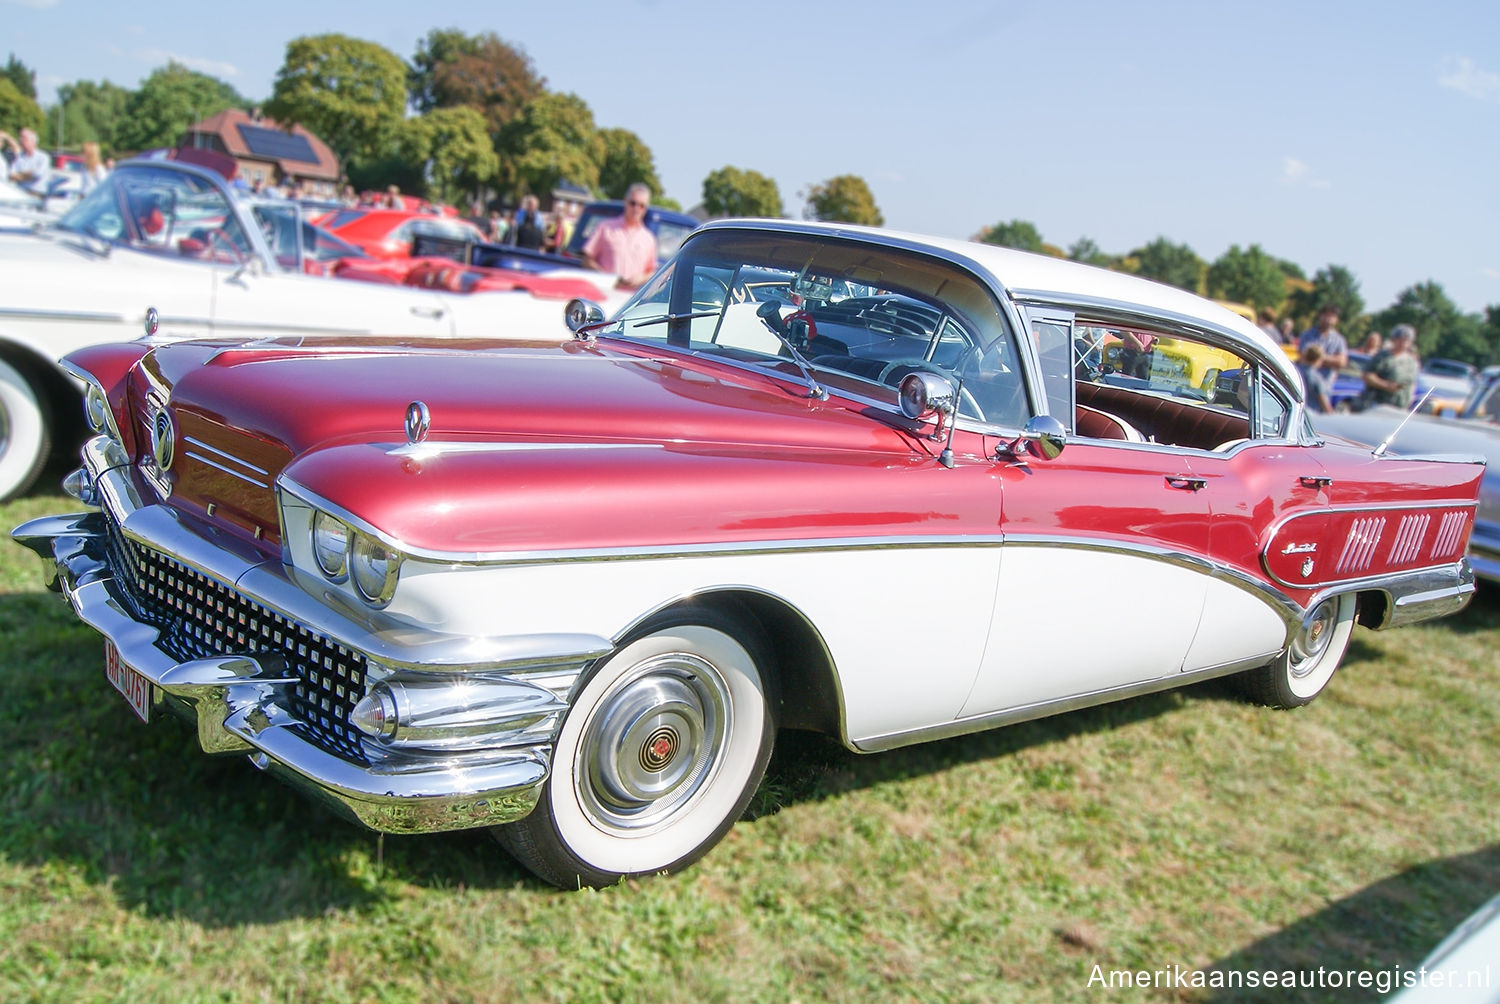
(581, 313)
(1043, 437)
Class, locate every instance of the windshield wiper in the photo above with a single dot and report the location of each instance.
(663, 319)
(770, 312)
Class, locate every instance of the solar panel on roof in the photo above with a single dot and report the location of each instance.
(277, 145)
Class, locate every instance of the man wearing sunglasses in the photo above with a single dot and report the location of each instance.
(624, 245)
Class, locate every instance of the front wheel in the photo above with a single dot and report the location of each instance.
(1301, 672)
(25, 443)
(660, 753)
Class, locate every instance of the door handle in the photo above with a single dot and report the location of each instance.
(1315, 480)
(1185, 482)
(429, 312)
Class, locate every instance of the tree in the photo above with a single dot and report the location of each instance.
(90, 112)
(17, 111)
(1085, 250)
(552, 140)
(843, 199)
(23, 76)
(1174, 264)
(1442, 330)
(626, 159)
(483, 72)
(349, 92)
(730, 191)
(1332, 286)
(168, 102)
(1249, 276)
(459, 156)
(1016, 234)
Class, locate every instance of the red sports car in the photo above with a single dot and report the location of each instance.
(389, 233)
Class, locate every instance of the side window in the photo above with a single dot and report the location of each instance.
(1151, 386)
(1056, 352)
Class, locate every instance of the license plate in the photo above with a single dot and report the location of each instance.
(135, 688)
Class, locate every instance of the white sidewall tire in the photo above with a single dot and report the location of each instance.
(612, 805)
(24, 439)
(1306, 680)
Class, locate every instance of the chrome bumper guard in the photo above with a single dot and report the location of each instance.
(240, 702)
(1422, 595)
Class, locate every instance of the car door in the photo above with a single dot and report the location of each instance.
(1101, 574)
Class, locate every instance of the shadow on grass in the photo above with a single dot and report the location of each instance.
(1373, 929)
(88, 790)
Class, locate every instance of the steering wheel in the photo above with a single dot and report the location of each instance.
(702, 299)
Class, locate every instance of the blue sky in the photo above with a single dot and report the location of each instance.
(1364, 134)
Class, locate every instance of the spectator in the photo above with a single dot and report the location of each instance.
(1325, 334)
(1266, 321)
(1314, 378)
(347, 196)
(624, 245)
(496, 226)
(1372, 344)
(527, 230)
(393, 198)
(30, 168)
(1287, 336)
(1391, 375)
(561, 230)
(93, 167)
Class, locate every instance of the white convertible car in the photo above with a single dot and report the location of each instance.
(163, 248)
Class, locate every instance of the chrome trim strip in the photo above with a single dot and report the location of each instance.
(13, 313)
(230, 471)
(227, 456)
(435, 448)
(1350, 544)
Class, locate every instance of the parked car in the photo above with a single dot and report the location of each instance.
(166, 240)
(669, 226)
(389, 233)
(1475, 429)
(874, 495)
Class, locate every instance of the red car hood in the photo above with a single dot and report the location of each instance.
(529, 446)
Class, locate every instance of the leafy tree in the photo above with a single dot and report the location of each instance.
(1016, 234)
(90, 112)
(17, 111)
(458, 153)
(1174, 264)
(626, 160)
(1442, 330)
(1085, 250)
(168, 102)
(730, 191)
(552, 140)
(483, 72)
(1290, 269)
(23, 76)
(1249, 276)
(1333, 285)
(349, 92)
(844, 199)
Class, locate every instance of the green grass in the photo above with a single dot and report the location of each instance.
(1185, 829)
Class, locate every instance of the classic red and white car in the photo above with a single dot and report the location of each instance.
(810, 476)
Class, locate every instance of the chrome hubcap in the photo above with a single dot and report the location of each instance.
(1312, 639)
(653, 742)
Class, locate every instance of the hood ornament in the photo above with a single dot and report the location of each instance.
(418, 420)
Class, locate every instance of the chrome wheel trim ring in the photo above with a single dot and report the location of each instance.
(652, 744)
(1313, 638)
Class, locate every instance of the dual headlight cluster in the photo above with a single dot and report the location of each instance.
(343, 553)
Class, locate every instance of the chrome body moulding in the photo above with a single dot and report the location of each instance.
(255, 701)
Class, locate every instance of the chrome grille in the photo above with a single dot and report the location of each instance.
(199, 616)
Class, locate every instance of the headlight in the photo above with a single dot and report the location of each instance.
(95, 409)
(330, 546)
(374, 568)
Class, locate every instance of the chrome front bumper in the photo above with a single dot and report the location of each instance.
(240, 702)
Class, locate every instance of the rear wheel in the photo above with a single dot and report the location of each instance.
(24, 439)
(1301, 672)
(662, 750)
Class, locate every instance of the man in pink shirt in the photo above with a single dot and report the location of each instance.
(624, 246)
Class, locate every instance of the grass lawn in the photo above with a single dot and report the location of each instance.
(1187, 829)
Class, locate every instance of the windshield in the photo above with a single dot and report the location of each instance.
(153, 209)
(861, 316)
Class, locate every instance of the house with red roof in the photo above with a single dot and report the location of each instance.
(267, 153)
